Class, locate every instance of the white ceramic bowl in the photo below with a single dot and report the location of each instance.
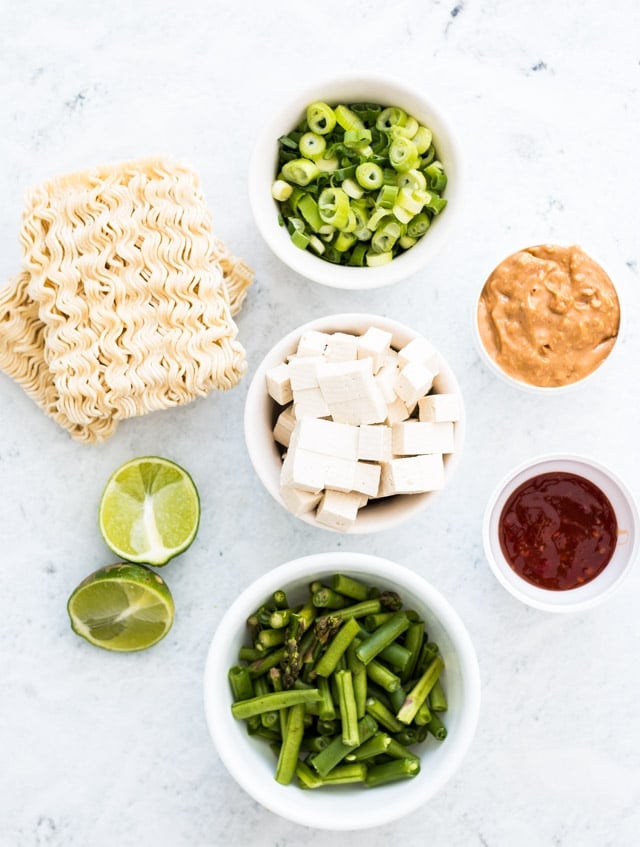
(250, 761)
(351, 88)
(261, 412)
(615, 273)
(600, 588)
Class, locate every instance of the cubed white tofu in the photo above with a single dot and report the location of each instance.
(412, 475)
(299, 502)
(309, 403)
(420, 352)
(414, 381)
(351, 392)
(279, 384)
(327, 437)
(436, 408)
(374, 344)
(374, 443)
(313, 343)
(303, 372)
(303, 469)
(366, 479)
(413, 437)
(339, 473)
(396, 412)
(386, 379)
(338, 509)
(342, 347)
(284, 426)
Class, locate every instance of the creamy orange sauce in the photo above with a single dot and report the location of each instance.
(548, 315)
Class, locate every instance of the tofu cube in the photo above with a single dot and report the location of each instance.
(327, 437)
(303, 372)
(366, 479)
(396, 412)
(309, 403)
(420, 352)
(414, 381)
(413, 437)
(436, 408)
(299, 502)
(386, 379)
(342, 347)
(338, 510)
(304, 470)
(339, 473)
(284, 426)
(279, 384)
(374, 443)
(313, 343)
(374, 344)
(413, 475)
(351, 393)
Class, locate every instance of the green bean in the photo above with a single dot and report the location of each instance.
(273, 701)
(437, 728)
(350, 587)
(347, 707)
(382, 637)
(392, 771)
(337, 749)
(336, 648)
(241, 684)
(418, 694)
(383, 715)
(291, 742)
(376, 746)
(437, 698)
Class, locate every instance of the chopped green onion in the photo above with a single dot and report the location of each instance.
(344, 241)
(357, 138)
(391, 117)
(312, 145)
(406, 241)
(300, 171)
(328, 164)
(412, 179)
(403, 154)
(347, 119)
(422, 139)
(387, 196)
(417, 227)
(309, 210)
(352, 188)
(281, 190)
(375, 260)
(316, 244)
(369, 175)
(408, 130)
(333, 205)
(385, 237)
(321, 118)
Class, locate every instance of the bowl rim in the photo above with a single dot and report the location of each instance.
(316, 269)
(519, 587)
(413, 504)
(551, 390)
(278, 798)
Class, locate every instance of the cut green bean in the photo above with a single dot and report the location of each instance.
(337, 749)
(376, 746)
(383, 715)
(273, 701)
(437, 728)
(423, 715)
(382, 676)
(418, 694)
(399, 751)
(392, 771)
(350, 587)
(347, 707)
(327, 598)
(383, 636)
(337, 648)
(288, 759)
(437, 697)
(241, 683)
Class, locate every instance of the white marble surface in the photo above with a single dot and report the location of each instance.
(101, 749)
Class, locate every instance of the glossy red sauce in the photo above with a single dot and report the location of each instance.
(558, 530)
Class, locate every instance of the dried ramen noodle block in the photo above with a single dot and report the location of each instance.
(125, 302)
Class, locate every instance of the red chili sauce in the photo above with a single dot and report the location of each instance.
(558, 531)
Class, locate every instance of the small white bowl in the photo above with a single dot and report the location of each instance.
(250, 761)
(261, 412)
(352, 88)
(623, 559)
(613, 271)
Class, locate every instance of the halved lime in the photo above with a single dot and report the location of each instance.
(122, 607)
(149, 511)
